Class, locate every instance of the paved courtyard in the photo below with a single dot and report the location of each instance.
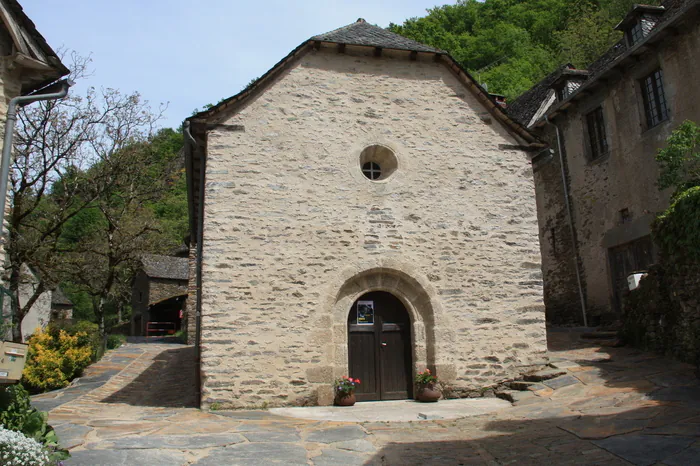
(607, 406)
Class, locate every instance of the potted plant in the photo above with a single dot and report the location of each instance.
(427, 387)
(345, 391)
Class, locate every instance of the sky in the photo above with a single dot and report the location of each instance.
(188, 54)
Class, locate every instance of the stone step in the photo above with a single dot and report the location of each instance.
(522, 386)
(545, 374)
(515, 395)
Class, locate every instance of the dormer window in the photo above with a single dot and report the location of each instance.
(568, 82)
(639, 23)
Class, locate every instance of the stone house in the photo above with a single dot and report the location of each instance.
(611, 119)
(159, 292)
(363, 208)
(52, 306)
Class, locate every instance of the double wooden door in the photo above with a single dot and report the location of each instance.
(379, 340)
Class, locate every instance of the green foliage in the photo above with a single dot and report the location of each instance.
(88, 334)
(510, 45)
(679, 161)
(115, 341)
(588, 34)
(17, 414)
(181, 335)
(677, 230)
(425, 377)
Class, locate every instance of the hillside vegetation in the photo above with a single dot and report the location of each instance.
(509, 45)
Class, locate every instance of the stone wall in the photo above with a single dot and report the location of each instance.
(294, 233)
(164, 288)
(663, 314)
(624, 179)
(190, 318)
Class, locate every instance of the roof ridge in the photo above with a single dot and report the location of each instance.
(341, 28)
(365, 34)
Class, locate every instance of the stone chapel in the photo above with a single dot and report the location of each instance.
(365, 208)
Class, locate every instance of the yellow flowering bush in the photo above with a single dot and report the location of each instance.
(55, 358)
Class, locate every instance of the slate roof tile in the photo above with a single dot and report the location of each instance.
(363, 33)
(173, 268)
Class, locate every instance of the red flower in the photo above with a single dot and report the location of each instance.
(428, 371)
(358, 381)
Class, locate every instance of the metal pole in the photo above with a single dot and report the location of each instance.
(9, 135)
(571, 222)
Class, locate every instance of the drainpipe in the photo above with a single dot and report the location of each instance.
(198, 270)
(571, 221)
(9, 135)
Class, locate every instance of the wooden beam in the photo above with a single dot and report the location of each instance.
(317, 45)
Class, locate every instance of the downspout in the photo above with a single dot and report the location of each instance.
(571, 221)
(9, 135)
(198, 271)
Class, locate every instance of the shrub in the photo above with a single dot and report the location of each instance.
(115, 341)
(17, 414)
(54, 360)
(88, 335)
(18, 450)
(181, 335)
(677, 230)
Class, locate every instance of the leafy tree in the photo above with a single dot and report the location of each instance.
(509, 45)
(679, 161)
(53, 182)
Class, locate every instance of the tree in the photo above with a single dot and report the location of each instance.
(103, 259)
(50, 179)
(679, 161)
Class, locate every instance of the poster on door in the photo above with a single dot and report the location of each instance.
(365, 312)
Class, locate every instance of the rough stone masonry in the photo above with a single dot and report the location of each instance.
(294, 232)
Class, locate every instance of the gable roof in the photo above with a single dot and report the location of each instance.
(32, 52)
(363, 33)
(58, 298)
(360, 34)
(525, 107)
(168, 267)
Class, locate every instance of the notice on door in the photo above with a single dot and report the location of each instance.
(365, 312)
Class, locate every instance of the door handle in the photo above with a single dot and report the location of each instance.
(383, 344)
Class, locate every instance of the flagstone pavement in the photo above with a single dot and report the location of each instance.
(611, 406)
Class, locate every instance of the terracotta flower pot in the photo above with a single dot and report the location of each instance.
(347, 399)
(428, 393)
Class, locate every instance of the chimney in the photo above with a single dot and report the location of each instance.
(500, 100)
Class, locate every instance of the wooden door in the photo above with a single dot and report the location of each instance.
(632, 257)
(380, 351)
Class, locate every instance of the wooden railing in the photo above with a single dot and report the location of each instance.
(165, 328)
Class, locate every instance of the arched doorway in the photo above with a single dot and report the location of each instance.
(379, 347)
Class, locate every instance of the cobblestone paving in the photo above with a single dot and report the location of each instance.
(611, 406)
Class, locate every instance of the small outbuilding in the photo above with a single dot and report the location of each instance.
(159, 292)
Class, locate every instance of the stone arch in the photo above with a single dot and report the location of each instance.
(416, 294)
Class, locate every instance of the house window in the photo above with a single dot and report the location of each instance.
(372, 170)
(636, 33)
(654, 99)
(596, 133)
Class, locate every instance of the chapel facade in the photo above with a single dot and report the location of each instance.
(365, 208)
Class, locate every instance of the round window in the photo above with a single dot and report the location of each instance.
(372, 170)
(378, 162)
